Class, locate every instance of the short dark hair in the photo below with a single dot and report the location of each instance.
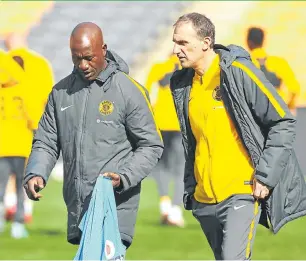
(256, 35)
(202, 25)
(19, 60)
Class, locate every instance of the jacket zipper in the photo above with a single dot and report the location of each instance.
(188, 129)
(81, 141)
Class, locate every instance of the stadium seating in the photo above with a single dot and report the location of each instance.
(129, 28)
(21, 16)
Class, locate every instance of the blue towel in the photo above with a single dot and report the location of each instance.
(100, 233)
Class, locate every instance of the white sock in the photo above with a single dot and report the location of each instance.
(175, 214)
(10, 200)
(165, 205)
(28, 207)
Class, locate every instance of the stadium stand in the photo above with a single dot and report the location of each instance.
(129, 28)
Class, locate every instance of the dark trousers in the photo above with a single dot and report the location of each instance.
(229, 226)
(171, 167)
(15, 166)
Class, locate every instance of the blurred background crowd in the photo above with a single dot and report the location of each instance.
(34, 55)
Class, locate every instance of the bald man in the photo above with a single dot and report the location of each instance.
(101, 120)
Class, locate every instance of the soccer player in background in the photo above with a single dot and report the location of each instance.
(171, 166)
(18, 119)
(39, 74)
(275, 68)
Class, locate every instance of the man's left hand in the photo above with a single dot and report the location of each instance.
(114, 177)
(260, 191)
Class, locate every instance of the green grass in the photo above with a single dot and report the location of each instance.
(151, 242)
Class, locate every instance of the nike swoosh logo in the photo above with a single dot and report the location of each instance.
(238, 207)
(65, 108)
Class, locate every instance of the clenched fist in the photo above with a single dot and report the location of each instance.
(33, 186)
(260, 191)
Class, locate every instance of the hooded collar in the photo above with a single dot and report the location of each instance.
(114, 63)
(228, 54)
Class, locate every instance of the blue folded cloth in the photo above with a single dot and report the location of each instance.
(100, 233)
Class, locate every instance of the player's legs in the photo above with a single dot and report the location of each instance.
(10, 202)
(28, 209)
(18, 228)
(10, 198)
(19, 164)
(5, 170)
(176, 164)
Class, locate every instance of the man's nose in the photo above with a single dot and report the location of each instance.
(83, 65)
(176, 49)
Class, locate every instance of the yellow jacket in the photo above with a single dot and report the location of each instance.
(39, 72)
(157, 84)
(221, 164)
(288, 83)
(18, 113)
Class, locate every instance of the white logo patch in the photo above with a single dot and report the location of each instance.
(109, 249)
(65, 108)
(239, 207)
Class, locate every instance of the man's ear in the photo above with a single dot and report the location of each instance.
(104, 47)
(206, 42)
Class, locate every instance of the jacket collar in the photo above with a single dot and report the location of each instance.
(107, 72)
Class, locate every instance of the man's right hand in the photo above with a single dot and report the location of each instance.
(33, 186)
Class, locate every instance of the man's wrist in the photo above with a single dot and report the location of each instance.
(120, 187)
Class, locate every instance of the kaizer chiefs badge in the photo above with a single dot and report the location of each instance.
(217, 94)
(106, 107)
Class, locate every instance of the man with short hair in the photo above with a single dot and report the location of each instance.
(276, 69)
(101, 120)
(237, 135)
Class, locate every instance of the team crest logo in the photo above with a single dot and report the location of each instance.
(106, 107)
(217, 94)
